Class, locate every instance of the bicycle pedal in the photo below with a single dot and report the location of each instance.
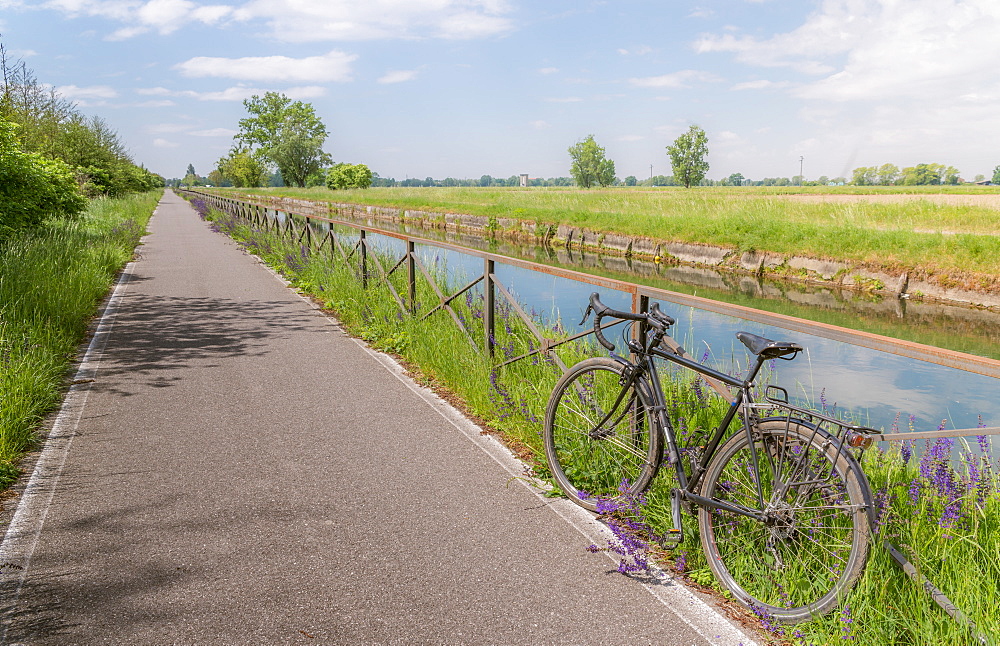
(672, 538)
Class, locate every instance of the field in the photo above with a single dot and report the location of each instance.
(945, 234)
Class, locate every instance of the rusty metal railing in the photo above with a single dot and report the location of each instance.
(303, 232)
(284, 220)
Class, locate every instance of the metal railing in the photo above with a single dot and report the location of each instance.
(270, 218)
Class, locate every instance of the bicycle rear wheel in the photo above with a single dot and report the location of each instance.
(600, 441)
(813, 543)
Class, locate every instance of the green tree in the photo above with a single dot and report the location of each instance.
(244, 168)
(33, 187)
(736, 179)
(288, 134)
(865, 176)
(687, 156)
(589, 165)
(631, 180)
(887, 174)
(996, 175)
(343, 176)
(922, 174)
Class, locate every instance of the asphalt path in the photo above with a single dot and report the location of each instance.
(232, 468)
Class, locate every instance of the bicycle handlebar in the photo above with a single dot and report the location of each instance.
(655, 318)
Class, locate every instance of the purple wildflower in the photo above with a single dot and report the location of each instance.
(845, 617)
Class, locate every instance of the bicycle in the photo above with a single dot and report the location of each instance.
(785, 512)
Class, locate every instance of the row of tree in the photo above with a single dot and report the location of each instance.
(52, 156)
(281, 138)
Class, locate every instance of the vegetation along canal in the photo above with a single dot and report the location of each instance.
(879, 389)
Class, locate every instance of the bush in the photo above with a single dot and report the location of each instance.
(349, 176)
(33, 188)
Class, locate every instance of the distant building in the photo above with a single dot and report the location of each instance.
(524, 180)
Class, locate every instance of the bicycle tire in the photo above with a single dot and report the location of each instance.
(802, 561)
(590, 463)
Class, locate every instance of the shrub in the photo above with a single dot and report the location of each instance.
(32, 187)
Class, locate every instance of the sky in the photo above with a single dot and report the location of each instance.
(463, 88)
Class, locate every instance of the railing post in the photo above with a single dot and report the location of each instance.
(363, 247)
(489, 306)
(411, 276)
(639, 331)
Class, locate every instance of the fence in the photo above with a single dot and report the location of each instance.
(317, 232)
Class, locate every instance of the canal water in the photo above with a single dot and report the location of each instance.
(871, 387)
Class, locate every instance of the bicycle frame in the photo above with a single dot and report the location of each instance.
(743, 403)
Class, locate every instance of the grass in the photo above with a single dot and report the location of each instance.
(923, 237)
(52, 280)
(944, 514)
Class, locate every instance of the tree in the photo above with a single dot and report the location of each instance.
(736, 179)
(631, 180)
(288, 134)
(996, 175)
(32, 186)
(589, 165)
(922, 174)
(343, 176)
(244, 168)
(887, 174)
(865, 176)
(687, 156)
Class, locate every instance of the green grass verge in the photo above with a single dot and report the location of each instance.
(52, 279)
(926, 238)
(944, 516)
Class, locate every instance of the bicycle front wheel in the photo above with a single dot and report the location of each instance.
(810, 548)
(601, 439)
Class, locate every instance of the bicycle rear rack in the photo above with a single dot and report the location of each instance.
(860, 438)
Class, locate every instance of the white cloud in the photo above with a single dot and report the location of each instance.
(680, 79)
(162, 16)
(75, 93)
(641, 50)
(885, 80)
(164, 143)
(334, 66)
(548, 70)
(398, 76)
(761, 84)
(236, 93)
(539, 124)
(300, 21)
(630, 138)
(213, 132)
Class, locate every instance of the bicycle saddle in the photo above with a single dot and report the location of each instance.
(766, 347)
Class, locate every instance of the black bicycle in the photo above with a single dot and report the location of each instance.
(785, 512)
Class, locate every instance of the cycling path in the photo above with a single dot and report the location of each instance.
(233, 469)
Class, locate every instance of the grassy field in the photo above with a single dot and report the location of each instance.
(927, 231)
(52, 280)
(944, 515)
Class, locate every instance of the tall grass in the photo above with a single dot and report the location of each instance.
(945, 515)
(917, 235)
(52, 280)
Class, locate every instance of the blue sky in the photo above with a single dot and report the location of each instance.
(461, 88)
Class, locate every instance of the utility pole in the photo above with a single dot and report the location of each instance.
(651, 172)
(801, 178)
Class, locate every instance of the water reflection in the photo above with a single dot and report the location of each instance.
(877, 388)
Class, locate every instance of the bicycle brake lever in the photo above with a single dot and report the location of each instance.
(586, 314)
